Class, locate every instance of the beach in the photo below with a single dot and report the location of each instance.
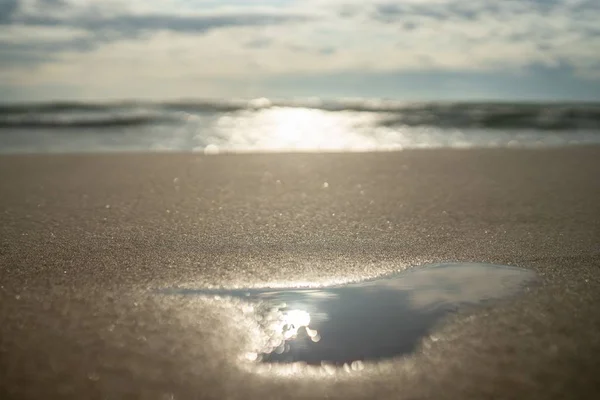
(87, 240)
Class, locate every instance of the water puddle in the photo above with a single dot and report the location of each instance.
(369, 320)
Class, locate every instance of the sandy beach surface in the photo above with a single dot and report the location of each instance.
(88, 241)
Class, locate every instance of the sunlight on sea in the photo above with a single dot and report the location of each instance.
(263, 125)
(303, 129)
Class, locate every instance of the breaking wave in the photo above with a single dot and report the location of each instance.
(557, 116)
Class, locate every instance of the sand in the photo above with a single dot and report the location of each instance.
(87, 241)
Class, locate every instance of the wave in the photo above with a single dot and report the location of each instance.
(502, 117)
(506, 116)
(97, 122)
(33, 108)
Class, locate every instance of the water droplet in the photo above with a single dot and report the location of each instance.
(107, 206)
(370, 320)
(325, 185)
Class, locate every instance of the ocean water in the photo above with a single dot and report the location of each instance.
(263, 125)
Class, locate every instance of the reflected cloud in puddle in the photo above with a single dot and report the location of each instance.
(369, 320)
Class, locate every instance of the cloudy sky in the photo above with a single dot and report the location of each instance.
(404, 49)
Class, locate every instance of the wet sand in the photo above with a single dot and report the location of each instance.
(86, 241)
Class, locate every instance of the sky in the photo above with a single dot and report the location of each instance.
(400, 49)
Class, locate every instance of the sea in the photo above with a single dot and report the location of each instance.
(304, 125)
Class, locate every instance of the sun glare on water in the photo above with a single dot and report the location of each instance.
(297, 318)
(294, 129)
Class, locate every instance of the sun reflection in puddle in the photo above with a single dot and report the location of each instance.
(294, 320)
(377, 319)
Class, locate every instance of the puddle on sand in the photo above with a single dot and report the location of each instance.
(369, 320)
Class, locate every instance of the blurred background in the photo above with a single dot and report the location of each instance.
(283, 75)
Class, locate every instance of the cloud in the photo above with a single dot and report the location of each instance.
(7, 9)
(248, 41)
(131, 25)
(258, 43)
(490, 34)
(102, 24)
(34, 52)
(327, 51)
(93, 19)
